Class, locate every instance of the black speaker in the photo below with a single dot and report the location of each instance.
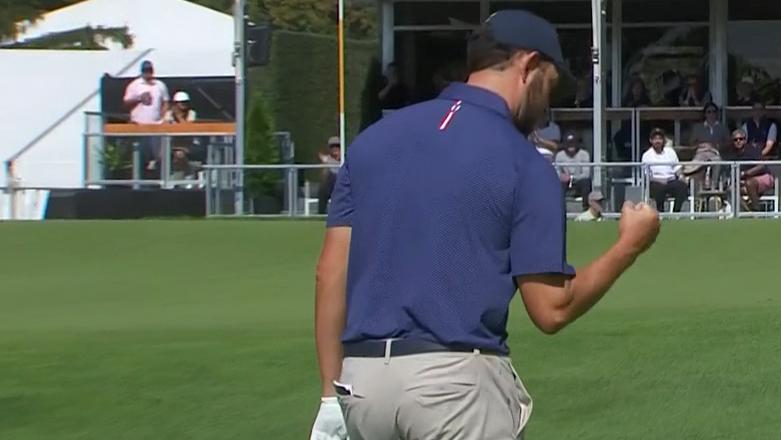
(258, 44)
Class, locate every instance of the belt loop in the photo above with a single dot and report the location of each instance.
(388, 343)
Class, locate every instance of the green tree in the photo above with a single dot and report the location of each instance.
(86, 38)
(16, 11)
(261, 148)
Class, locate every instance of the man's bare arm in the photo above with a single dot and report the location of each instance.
(554, 301)
(330, 304)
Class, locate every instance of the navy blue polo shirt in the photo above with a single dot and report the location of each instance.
(447, 202)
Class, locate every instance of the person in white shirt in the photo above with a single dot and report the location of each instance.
(663, 166)
(147, 100)
(146, 97)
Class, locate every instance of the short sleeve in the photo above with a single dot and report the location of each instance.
(341, 208)
(538, 237)
(130, 91)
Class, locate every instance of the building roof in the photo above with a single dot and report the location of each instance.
(159, 24)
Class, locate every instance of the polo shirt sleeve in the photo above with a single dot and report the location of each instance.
(341, 208)
(538, 236)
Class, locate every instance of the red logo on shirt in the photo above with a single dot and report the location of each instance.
(449, 116)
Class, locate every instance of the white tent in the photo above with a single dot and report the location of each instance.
(43, 112)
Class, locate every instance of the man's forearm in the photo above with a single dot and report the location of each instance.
(593, 281)
(329, 324)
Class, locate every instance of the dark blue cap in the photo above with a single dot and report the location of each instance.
(521, 29)
(147, 66)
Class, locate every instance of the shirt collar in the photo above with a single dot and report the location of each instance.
(476, 96)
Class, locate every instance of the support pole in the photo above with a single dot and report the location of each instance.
(239, 55)
(598, 17)
(340, 33)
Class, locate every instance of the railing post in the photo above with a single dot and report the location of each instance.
(165, 161)
(136, 165)
(736, 198)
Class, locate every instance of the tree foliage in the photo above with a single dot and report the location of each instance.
(86, 38)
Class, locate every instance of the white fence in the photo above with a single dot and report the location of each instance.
(620, 181)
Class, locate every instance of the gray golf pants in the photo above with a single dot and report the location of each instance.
(442, 396)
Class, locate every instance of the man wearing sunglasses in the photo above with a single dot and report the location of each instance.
(755, 180)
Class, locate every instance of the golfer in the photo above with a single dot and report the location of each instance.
(443, 211)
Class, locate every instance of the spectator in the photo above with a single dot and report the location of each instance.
(637, 95)
(755, 180)
(583, 96)
(328, 177)
(394, 94)
(576, 179)
(147, 100)
(146, 97)
(594, 211)
(547, 137)
(694, 95)
(709, 139)
(761, 131)
(744, 92)
(662, 162)
(181, 111)
(711, 131)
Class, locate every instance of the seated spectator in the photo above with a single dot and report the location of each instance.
(664, 171)
(181, 111)
(594, 211)
(576, 179)
(761, 131)
(708, 139)
(328, 177)
(394, 94)
(549, 136)
(755, 180)
(694, 94)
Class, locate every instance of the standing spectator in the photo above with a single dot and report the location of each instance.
(181, 111)
(662, 162)
(328, 177)
(761, 131)
(744, 92)
(146, 97)
(637, 95)
(584, 98)
(394, 94)
(576, 179)
(755, 179)
(694, 95)
(147, 100)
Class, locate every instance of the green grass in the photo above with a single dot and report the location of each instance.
(203, 330)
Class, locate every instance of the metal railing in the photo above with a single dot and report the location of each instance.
(221, 181)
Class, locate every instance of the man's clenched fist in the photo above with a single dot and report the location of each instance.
(638, 227)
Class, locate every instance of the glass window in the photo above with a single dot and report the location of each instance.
(436, 13)
(754, 61)
(576, 47)
(561, 12)
(649, 11)
(663, 58)
(429, 60)
(754, 9)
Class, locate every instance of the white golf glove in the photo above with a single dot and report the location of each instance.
(329, 423)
